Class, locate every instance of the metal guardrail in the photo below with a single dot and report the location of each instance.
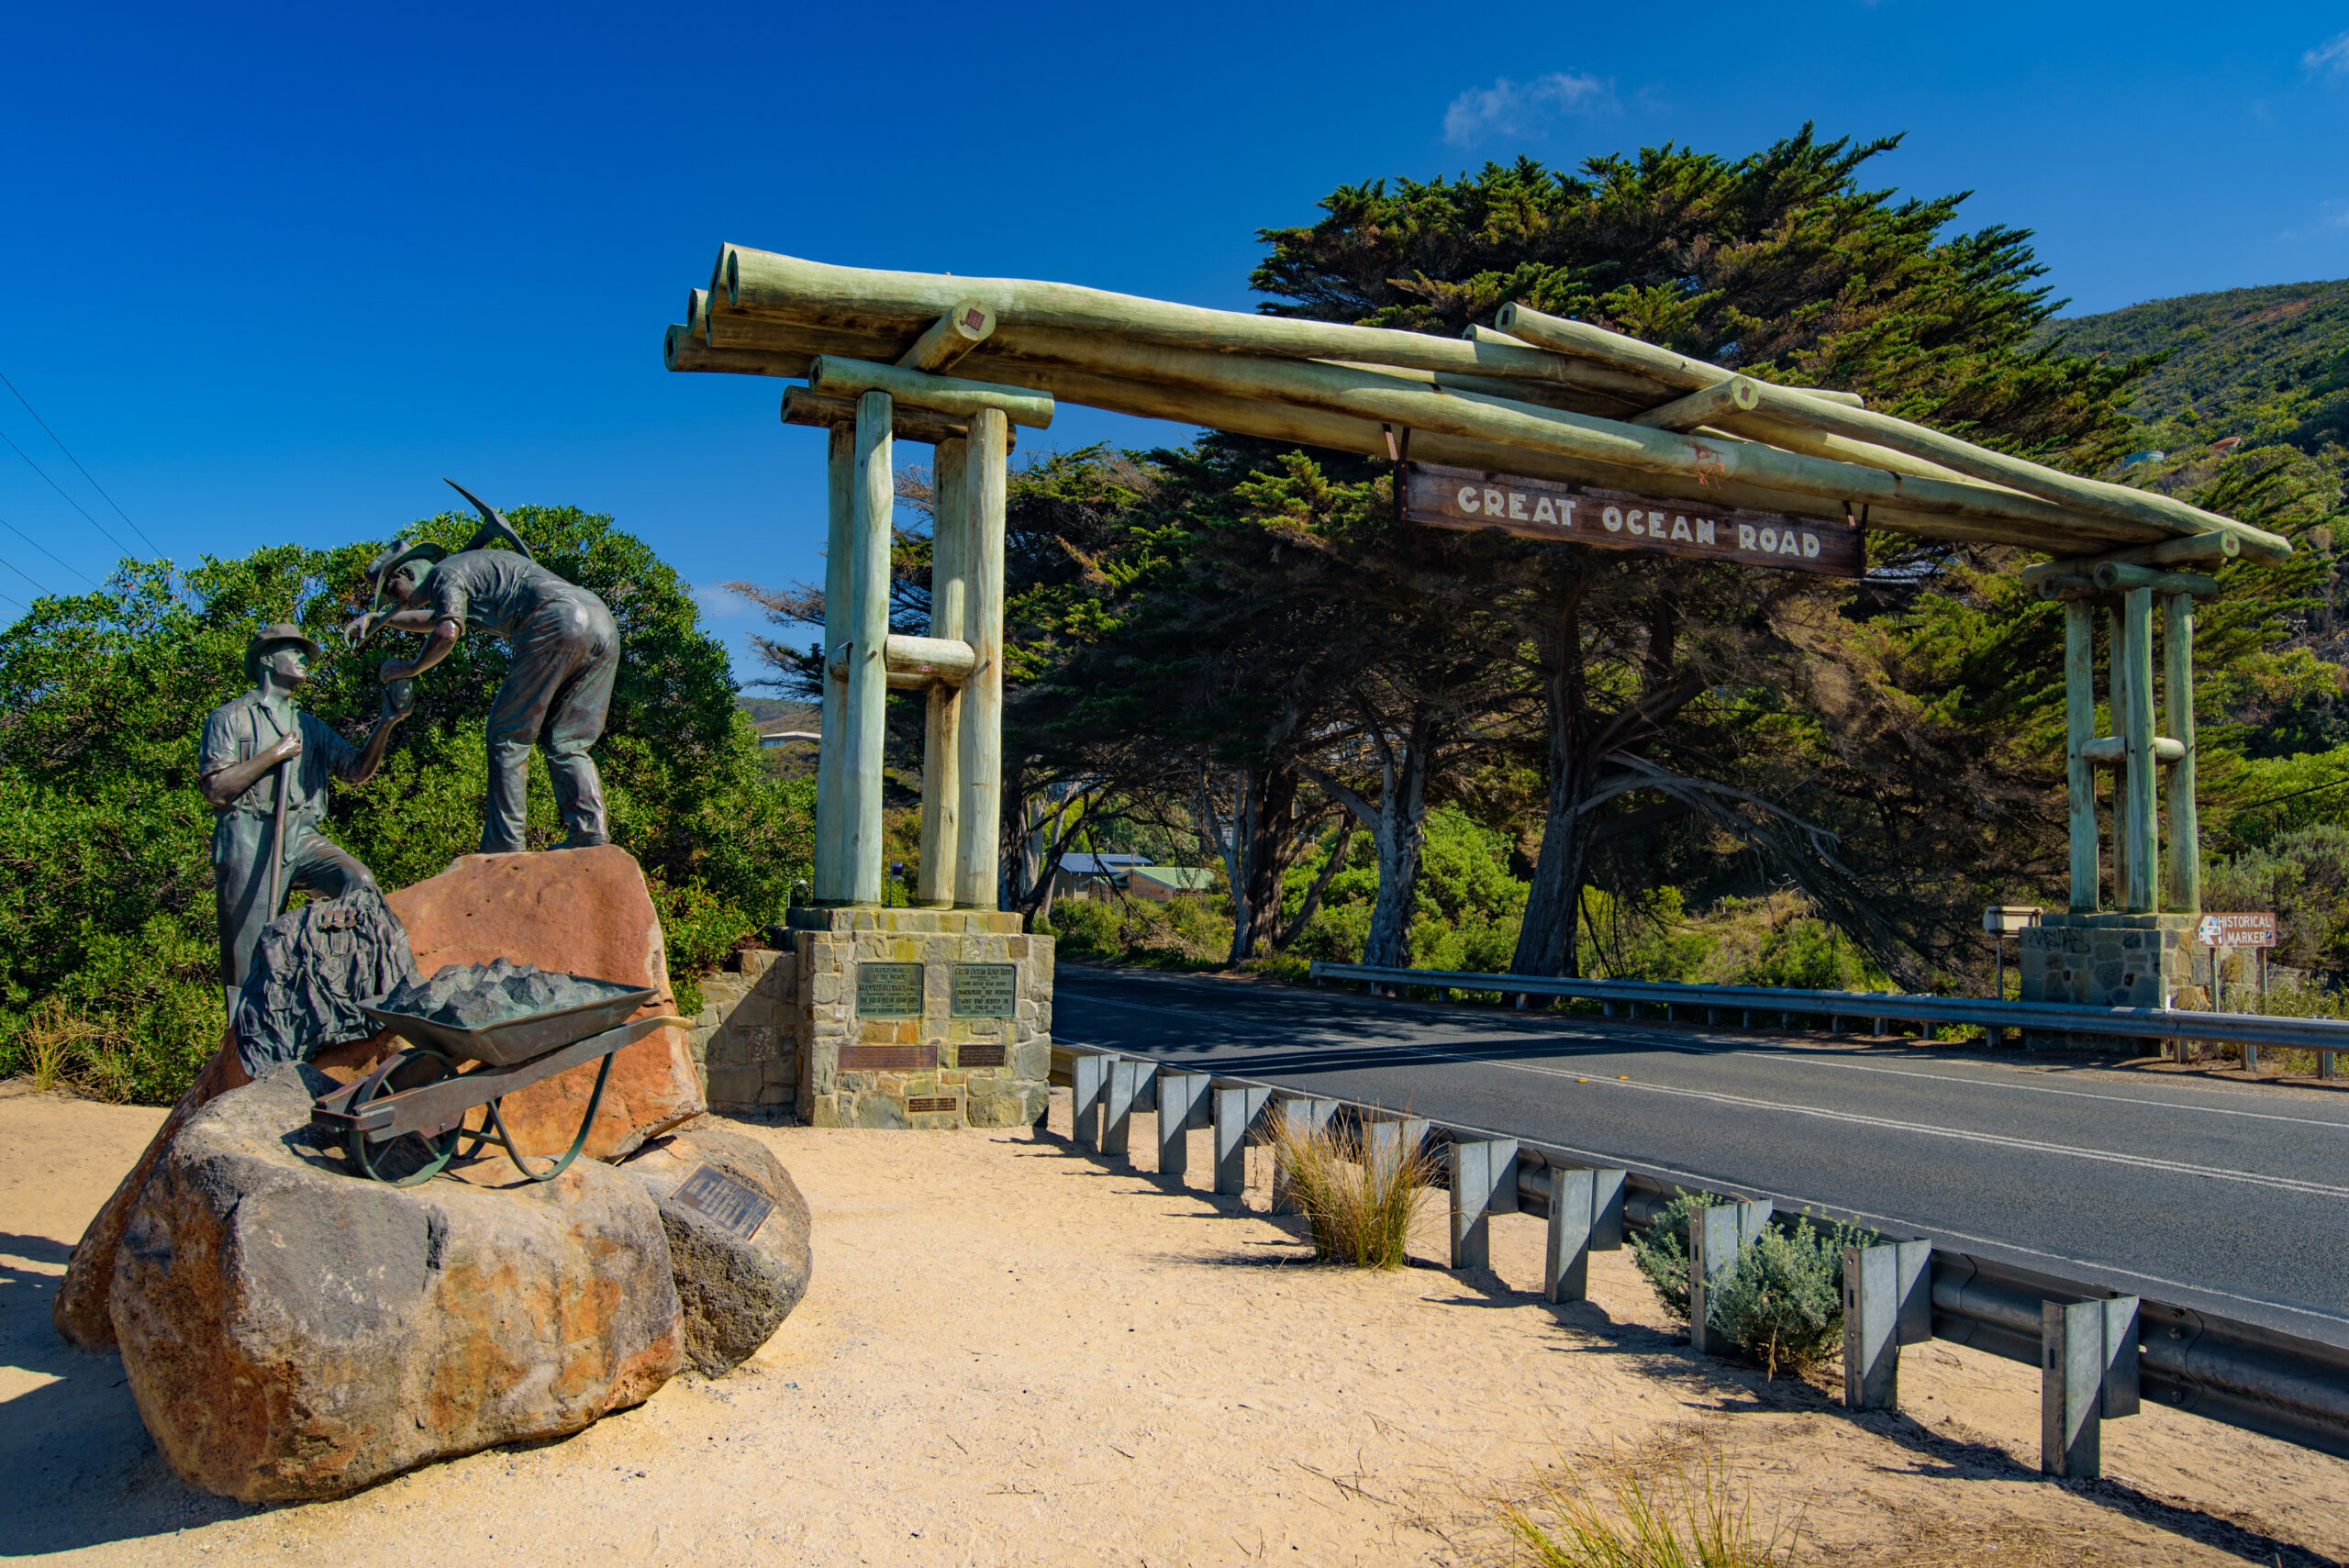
(2239, 1373)
(2326, 1036)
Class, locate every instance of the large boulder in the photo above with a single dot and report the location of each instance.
(292, 1331)
(578, 912)
(737, 1237)
(575, 911)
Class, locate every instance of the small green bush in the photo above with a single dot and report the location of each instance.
(1691, 1517)
(1662, 1253)
(1782, 1303)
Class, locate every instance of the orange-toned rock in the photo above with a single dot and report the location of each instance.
(579, 911)
(290, 1331)
(582, 912)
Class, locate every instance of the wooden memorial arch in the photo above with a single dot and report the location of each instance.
(1547, 428)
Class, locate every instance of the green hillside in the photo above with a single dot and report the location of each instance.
(2268, 364)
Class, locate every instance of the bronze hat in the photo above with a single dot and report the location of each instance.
(394, 556)
(273, 634)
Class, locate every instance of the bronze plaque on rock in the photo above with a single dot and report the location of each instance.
(888, 1058)
(889, 990)
(920, 1105)
(723, 1201)
(986, 990)
(979, 1055)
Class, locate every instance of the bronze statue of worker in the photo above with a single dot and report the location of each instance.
(253, 746)
(566, 653)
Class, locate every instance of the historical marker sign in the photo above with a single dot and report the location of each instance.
(1577, 513)
(889, 990)
(2239, 931)
(985, 990)
(723, 1201)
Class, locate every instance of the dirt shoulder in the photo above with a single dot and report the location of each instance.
(1012, 1352)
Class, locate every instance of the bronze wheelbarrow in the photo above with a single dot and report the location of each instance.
(427, 1091)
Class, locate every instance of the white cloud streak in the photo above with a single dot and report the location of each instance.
(1521, 109)
(2329, 59)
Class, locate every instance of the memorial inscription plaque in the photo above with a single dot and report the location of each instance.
(977, 1055)
(724, 1201)
(985, 990)
(889, 990)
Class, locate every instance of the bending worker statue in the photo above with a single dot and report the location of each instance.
(566, 651)
(265, 843)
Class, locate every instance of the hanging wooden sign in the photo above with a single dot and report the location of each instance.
(1578, 514)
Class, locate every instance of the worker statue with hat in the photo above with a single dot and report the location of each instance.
(566, 653)
(264, 767)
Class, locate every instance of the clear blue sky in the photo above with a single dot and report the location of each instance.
(270, 273)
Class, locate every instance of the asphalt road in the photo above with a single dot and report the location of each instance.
(2231, 1198)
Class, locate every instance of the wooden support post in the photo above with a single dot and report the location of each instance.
(2117, 709)
(1484, 1171)
(1586, 1217)
(942, 756)
(2184, 892)
(2143, 830)
(2079, 728)
(981, 735)
(832, 802)
(866, 726)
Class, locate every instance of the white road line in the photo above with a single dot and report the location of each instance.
(1967, 1080)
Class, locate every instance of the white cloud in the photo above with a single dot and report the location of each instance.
(719, 602)
(1514, 109)
(2332, 59)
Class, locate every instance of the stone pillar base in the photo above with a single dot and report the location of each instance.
(2112, 960)
(921, 1018)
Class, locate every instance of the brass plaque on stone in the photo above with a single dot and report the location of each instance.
(889, 990)
(888, 1058)
(921, 1103)
(985, 990)
(723, 1201)
(979, 1055)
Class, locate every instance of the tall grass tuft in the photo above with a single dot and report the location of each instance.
(1359, 1206)
(1691, 1517)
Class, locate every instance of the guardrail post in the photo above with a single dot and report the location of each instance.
(1302, 1115)
(2324, 1063)
(1235, 1113)
(1085, 1075)
(1124, 1088)
(1484, 1177)
(2087, 1371)
(1716, 1236)
(1887, 1303)
(1586, 1217)
(2251, 1056)
(1181, 1099)
(1393, 1139)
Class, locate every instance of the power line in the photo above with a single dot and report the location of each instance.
(49, 553)
(23, 573)
(77, 506)
(77, 463)
(26, 608)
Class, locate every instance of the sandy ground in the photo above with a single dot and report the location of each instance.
(1012, 1353)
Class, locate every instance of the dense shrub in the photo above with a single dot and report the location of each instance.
(1782, 1303)
(1358, 1205)
(105, 876)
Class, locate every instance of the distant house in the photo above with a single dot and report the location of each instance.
(1163, 884)
(1091, 876)
(2228, 445)
(785, 728)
